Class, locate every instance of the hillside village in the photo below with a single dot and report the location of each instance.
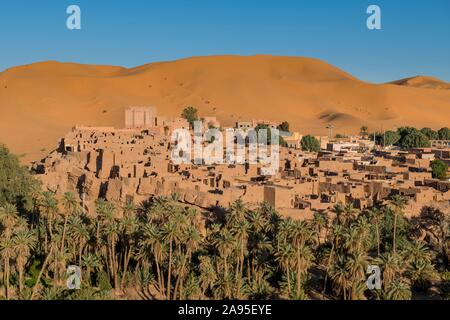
(134, 164)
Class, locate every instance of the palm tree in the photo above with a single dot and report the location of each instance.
(128, 226)
(421, 271)
(111, 231)
(8, 218)
(49, 206)
(350, 213)
(7, 254)
(208, 275)
(70, 205)
(398, 290)
(353, 240)
(356, 266)
(225, 244)
(236, 213)
(90, 262)
(337, 232)
(301, 234)
(129, 209)
(338, 210)
(418, 251)
(170, 234)
(192, 240)
(105, 213)
(399, 203)
(319, 222)
(24, 243)
(257, 221)
(43, 268)
(376, 217)
(152, 242)
(285, 257)
(241, 234)
(391, 264)
(285, 231)
(339, 275)
(79, 234)
(304, 262)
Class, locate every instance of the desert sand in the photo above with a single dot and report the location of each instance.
(40, 102)
(423, 82)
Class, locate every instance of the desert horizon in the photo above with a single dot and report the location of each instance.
(308, 92)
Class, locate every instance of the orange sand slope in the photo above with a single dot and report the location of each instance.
(41, 102)
(423, 82)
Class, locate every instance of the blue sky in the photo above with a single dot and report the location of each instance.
(415, 35)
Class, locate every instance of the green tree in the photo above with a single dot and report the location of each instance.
(190, 114)
(24, 243)
(391, 138)
(16, 183)
(430, 133)
(398, 202)
(439, 169)
(284, 126)
(398, 290)
(413, 138)
(310, 143)
(444, 133)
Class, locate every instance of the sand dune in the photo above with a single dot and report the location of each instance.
(423, 82)
(40, 102)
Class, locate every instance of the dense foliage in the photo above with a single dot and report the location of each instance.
(163, 251)
(310, 143)
(284, 126)
(409, 137)
(439, 169)
(16, 184)
(412, 138)
(190, 114)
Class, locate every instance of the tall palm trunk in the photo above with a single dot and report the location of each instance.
(64, 233)
(170, 270)
(298, 272)
(125, 265)
(6, 276)
(114, 263)
(38, 280)
(180, 277)
(378, 238)
(158, 270)
(326, 271)
(225, 265)
(394, 243)
(241, 271)
(289, 280)
(20, 279)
